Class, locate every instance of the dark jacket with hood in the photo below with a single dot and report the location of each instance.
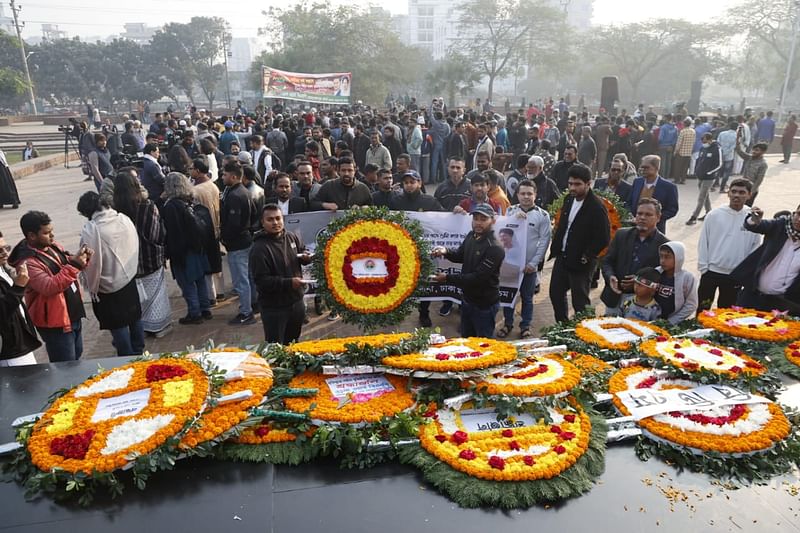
(481, 258)
(17, 332)
(273, 263)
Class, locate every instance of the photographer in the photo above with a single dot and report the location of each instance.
(100, 165)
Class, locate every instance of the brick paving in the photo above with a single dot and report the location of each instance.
(56, 191)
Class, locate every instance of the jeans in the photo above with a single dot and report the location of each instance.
(238, 262)
(416, 160)
(195, 293)
(577, 283)
(665, 152)
(62, 345)
(477, 321)
(129, 340)
(702, 197)
(526, 300)
(727, 168)
(438, 163)
(283, 324)
(710, 283)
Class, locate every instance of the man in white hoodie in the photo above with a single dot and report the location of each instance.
(724, 243)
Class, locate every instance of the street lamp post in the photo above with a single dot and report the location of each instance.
(15, 12)
(795, 29)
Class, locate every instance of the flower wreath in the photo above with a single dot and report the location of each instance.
(533, 376)
(456, 355)
(225, 415)
(83, 432)
(617, 212)
(772, 326)
(792, 353)
(352, 409)
(512, 463)
(593, 331)
(369, 265)
(734, 429)
(696, 354)
(341, 344)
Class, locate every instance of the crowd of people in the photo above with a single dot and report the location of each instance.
(210, 187)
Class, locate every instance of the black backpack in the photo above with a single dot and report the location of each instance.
(201, 227)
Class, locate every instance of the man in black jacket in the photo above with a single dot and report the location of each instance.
(18, 337)
(770, 276)
(275, 260)
(630, 250)
(412, 198)
(481, 257)
(581, 234)
(286, 202)
(237, 214)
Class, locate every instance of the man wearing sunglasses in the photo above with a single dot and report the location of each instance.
(613, 182)
(17, 333)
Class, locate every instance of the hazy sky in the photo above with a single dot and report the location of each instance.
(102, 18)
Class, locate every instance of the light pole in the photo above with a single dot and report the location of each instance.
(225, 53)
(15, 11)
(795, 29)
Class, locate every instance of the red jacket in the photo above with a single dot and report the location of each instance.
(44, 294)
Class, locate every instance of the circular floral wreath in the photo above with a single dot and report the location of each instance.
(752, 324)
(591, 330)
(340, 344)
(731, 429)
(323, 406)
(511, 450)
(456, 355)
(533, 376)
(696, 354)
(369, 265)
(83, 432)
(617, 212)
(792, 353)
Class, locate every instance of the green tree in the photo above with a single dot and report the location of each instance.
(496, 32)
(319, 37)
(13, 87)
(635, 51)
(452, 76)
(60, 69)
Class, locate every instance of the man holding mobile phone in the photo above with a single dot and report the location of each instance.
(18, 337)
(52, 293)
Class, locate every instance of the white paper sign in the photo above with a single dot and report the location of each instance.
(486, 420)
(369, 267)
(126, 405)
(225, 361)
(646, 402)
(620, 335)
(359, 388)
(749, 321)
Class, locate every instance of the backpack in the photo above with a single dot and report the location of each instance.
(201, 227)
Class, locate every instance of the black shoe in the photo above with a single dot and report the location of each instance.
(242, 320)
(207, 315)
(318, 307)
(187, 320)
(306, 320)
(221, 297)
(15, 206)
(445, 309)
(537, 288)
(691, 222)
(702, 218)
(425, 321)
(333, 316)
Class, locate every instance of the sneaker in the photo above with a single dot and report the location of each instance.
(221, 297)
(425, 321)
(242, 320)
(445, 309)
(190, 320)
(691, 222)
(333, 316)
(207, 315)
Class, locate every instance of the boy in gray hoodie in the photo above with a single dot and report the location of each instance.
(677, 291)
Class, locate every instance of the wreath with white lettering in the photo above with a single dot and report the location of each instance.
(369, 264)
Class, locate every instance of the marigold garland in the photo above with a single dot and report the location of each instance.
(682, 353)
(323, 406)
(510, 452)
(221, 418)
(792, 353)
(772, 326)
(666, 426)
(590, 331)
(533, 376)
(456, 355)
(339, 345)
(587, 364)
(76, 432)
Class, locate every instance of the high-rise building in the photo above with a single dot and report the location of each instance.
(433, 24)
(6, 23)
(138, 32)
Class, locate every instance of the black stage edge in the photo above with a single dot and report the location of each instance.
(203, 495)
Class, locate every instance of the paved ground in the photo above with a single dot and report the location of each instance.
(57, 190)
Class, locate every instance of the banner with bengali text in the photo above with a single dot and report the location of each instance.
(328, 88)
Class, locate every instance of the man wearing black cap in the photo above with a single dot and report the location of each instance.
(412, 198)
(481, 256)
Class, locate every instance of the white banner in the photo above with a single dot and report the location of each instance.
(486, 420)
(441, 229)
(359, 388)
(646, 402)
